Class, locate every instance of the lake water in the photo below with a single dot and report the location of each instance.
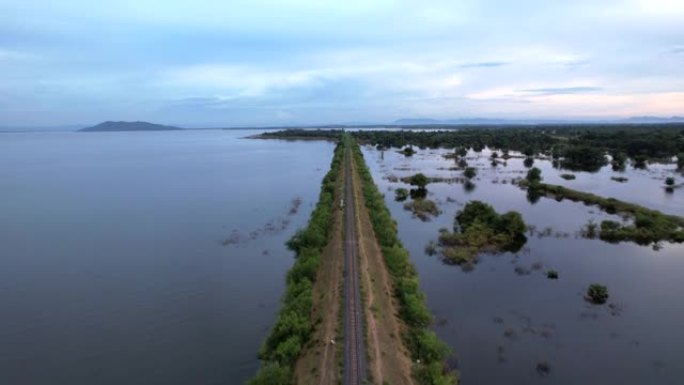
(504, 317)
(114, 269)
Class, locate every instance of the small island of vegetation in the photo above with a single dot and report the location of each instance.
(479, 228)
(597, 294)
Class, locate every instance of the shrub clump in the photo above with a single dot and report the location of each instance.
(470, 172)
(422, 208)
(552, 274)
(401, 194)
(597, 293)
(568, 176)
(533, 175)
(478, 228)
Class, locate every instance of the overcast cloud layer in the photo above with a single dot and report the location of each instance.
(268, 62)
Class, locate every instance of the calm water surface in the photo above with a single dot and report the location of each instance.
(505, 317)
(113, 267)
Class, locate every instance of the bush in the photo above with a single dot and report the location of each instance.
(401, 194)
(408, 151)
(534, 175)
(568, 176)
(670, 181)
(272, 374)
(470, 172)
(552, 274)
(478, 227)
(597, 293)
(419, 180)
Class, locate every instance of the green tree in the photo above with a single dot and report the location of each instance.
(680, 160)
(272, 374)
(670, 181)
(419, 180)
(534, 175)
(475, 211)
(470, 172)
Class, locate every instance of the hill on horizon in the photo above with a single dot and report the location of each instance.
(128, 126)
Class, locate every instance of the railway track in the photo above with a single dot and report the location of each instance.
(355, 352)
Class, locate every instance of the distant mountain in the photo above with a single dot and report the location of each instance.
(653, 119)
(128, 126)
(472, 121)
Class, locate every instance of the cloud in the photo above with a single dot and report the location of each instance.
(560, 90)
(324, 60)
(484, 64)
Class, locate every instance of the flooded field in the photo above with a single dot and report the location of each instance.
(506, 321)
(146, 257)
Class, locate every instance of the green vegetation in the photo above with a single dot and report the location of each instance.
(534, 175)
(552, 274)
(419, 180)
(568, 176)
(620, 179)
(470, 172)
(670, 181)
(478, 228)
(597, 293)
(649, 226)
(583, 158)
(619, 160)
(293, 326)
(528, 162)
(577, 147)
(427, 351)
(422, 208)
(401, 194)
(408, 151)
(431, 248)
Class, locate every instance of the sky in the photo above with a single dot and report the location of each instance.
(267, 62)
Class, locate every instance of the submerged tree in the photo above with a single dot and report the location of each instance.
(597, 293)
(534, 175)
(419, 180)
(470, 172)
